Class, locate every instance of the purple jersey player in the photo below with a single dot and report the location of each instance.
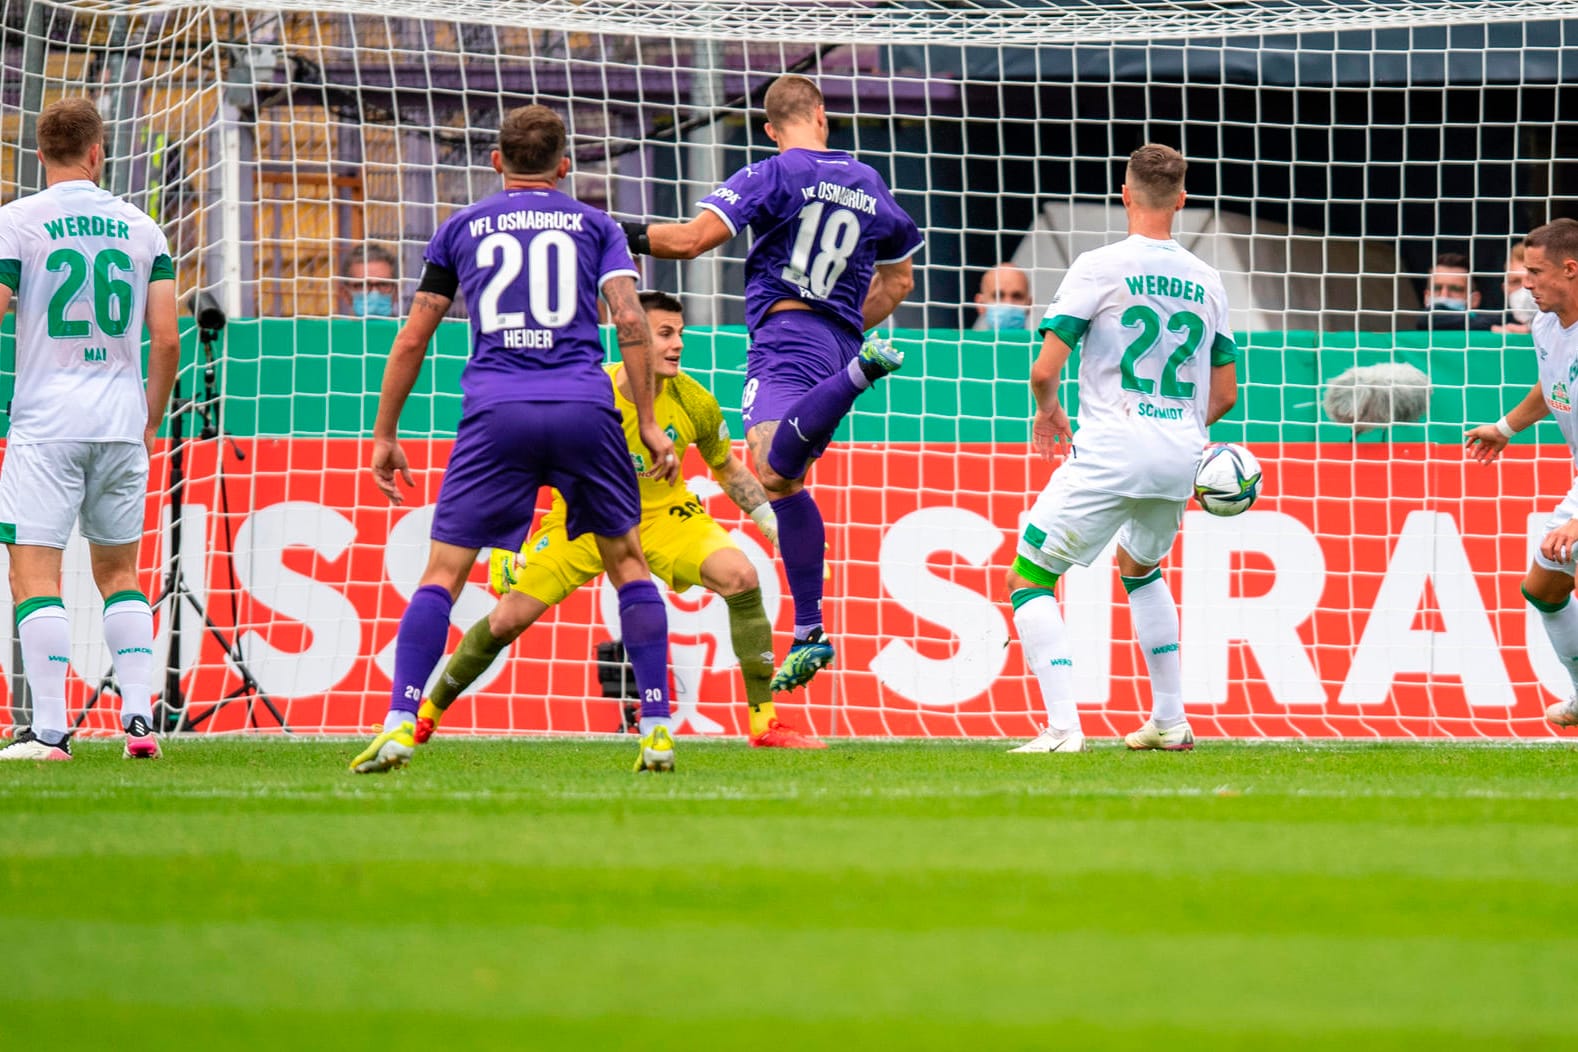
(831, 259)
(537, 411)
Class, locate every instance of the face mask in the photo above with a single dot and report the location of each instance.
(1521, 305)
(1005, 316)
(372, 304)
(1448, 303)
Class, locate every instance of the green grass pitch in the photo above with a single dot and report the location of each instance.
(535, 894)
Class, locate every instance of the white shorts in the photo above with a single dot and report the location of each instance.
(45, 487)
(1561, 516)
(1069, 525)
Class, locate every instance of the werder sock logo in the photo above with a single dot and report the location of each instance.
(63, 659)
(134, 650)
(1062, 661)
(1168, 649)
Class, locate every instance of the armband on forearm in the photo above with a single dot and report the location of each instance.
(1505, 428)
(766, 520)
(637, 238)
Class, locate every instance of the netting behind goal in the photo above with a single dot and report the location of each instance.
(1337, 149)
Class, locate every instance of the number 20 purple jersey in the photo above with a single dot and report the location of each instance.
(823, 222)
(531, 265)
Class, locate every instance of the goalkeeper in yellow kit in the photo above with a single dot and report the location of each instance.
(683, 545)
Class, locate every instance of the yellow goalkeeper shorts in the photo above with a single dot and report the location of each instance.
(676, 544)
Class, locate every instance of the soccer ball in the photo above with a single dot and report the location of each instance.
(1227, 480)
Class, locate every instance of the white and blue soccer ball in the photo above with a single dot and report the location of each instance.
(1228, 479)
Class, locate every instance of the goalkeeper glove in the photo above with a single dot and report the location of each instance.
(503, 567)
(636, 237)
(766, 521)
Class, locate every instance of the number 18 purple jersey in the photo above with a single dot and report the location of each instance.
(823, 222)
(531, 265)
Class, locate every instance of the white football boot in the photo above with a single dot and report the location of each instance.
(1150, 736)
(1050, 740)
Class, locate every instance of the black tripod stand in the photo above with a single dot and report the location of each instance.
(172, 713)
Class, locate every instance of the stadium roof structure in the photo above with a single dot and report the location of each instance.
(1511, 53)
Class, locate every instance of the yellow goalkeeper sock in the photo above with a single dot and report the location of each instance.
(471, 659)
(752, 637)
(761, 716)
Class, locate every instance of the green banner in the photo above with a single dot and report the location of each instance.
(320, 378)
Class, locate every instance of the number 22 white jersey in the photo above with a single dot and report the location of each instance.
(78, 261)
(1557, 349)
(1153, 319)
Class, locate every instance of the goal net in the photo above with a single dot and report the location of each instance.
(1338, 149)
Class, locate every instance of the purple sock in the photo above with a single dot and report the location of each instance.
(802, 540)
(643, 622)
(424, 632)
(809, 423)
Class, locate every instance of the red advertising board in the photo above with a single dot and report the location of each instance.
(1372, 591)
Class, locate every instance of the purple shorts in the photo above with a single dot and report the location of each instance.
(791, 352)
(503, 453)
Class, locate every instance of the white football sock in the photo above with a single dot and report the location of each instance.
(1045, 642)
(128, 631)
(1155, 618)
(46, 655)
(1561, 626)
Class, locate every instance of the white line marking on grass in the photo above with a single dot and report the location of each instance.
(431, 794)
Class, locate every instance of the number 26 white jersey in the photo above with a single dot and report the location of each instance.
(78, 261)
(1153, 320)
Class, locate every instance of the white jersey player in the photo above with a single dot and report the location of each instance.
(87, 273)
(1157, 367)
(1551, 262)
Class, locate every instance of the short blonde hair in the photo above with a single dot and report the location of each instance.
(1156, 174)
(792, 98)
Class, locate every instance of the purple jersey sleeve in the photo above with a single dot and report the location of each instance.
(616, 260)
(748, 193)
(903, 238)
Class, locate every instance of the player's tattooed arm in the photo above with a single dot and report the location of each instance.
(635, 351)
(739, 485)
(748, 495)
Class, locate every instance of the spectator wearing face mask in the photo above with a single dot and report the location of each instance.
(1451, 300)
(1520, 302)
(369, 285)
(1004, 300)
